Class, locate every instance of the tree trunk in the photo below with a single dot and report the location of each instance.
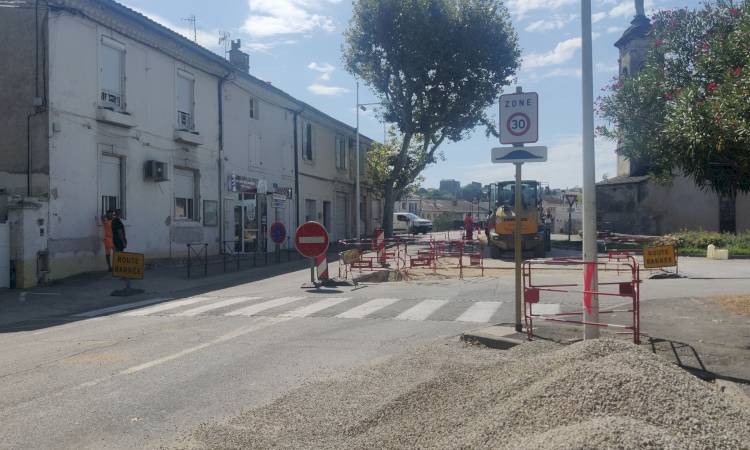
(388, 202)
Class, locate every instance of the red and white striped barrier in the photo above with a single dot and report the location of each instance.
(321, 263)
(380, 245)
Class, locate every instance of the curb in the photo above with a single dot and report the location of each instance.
(496, 336)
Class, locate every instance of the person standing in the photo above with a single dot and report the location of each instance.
(109, 245)
(118, 232)
(469, 226)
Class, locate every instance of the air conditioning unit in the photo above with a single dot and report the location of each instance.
(156, 171)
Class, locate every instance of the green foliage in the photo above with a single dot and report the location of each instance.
(687, 108)
(443, 222)
(695, 242)
(382, 158)
(437, 66)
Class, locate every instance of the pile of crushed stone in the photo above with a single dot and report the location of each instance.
(590, 395)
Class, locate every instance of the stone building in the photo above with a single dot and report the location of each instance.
(633, 203)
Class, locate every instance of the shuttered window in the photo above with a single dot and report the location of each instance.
(184, 194)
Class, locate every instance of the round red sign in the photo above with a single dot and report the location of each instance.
(311, 239)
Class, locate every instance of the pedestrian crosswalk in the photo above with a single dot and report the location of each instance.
(303, 307)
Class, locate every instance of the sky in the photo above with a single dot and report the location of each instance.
(296, 46)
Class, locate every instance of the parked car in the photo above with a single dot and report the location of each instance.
(410, 223)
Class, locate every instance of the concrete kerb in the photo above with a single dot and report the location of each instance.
(499, 336)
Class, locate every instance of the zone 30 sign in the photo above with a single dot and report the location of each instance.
(519, 118)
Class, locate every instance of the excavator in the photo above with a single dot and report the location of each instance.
(501, 225)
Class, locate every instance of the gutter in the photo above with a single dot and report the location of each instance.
(296, 166)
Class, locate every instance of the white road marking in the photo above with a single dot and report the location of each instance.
(479, 312)
(165, 306)
(367, 308)
(307, 310)
(262, 323)
(546, 308)
(216, 305)
(258, 307)
(111, 309)
(421, 310)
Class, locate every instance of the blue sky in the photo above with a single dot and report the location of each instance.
(296, 45)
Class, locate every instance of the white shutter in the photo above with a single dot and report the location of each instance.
(185, 83)
(184, 183)
(253, 149)
(109, 176)
(112, 69)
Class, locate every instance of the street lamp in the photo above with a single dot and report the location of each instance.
(363, 107)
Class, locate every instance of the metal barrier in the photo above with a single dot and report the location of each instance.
(198, 251)
(230, 251)
(618, 263)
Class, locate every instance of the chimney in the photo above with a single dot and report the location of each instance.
(238, 58)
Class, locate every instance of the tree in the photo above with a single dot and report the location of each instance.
(436, 65)
(687, 108)
(381, 160)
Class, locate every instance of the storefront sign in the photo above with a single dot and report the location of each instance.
(239, 183)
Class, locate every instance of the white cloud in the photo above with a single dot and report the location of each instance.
(596, 17)
(553, 23)
(520, 8)
(320, 89)
(322, 68)
(604, 67)
(558, 72)
(615, 29)
(626, 8)
(276, 17)
(562, 52)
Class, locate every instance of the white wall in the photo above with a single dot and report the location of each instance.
(273, 133)
(78, 140)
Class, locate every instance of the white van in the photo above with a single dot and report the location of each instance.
(410, 223)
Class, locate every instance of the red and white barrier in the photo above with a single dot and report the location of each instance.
(321, 263)
(380, 245)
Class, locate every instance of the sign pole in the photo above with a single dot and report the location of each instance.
(590, 252)
(517, 245)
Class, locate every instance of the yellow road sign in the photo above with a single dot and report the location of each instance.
(128, 265)
(660, 256)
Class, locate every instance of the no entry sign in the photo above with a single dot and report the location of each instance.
(311, 239)
(519, 118)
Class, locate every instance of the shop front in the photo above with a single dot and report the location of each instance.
(246, 212)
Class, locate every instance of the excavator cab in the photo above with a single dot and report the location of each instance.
(502, 220)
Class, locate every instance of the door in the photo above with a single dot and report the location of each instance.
(4, 255)
(341, 213)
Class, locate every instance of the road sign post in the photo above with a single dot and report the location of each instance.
(311, 240)
(519, 125)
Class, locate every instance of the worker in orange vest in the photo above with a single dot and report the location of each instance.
(469, 226)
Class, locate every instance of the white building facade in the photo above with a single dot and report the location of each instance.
(109, 110)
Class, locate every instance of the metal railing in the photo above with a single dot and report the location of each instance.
(196, 252)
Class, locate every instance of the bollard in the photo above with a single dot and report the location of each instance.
(321, 263)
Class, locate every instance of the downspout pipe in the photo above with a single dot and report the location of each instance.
(219, 160)
(296, 167)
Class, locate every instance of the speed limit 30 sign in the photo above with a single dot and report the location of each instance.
(519, 118)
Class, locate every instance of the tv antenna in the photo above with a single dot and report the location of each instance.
(224, 40)
(191, 20)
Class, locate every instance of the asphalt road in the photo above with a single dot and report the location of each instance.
(143, 375)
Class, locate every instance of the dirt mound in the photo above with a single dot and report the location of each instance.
(594, 394)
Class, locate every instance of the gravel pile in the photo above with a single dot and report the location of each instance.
(594, 394)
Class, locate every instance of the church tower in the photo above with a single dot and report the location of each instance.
(633, 46)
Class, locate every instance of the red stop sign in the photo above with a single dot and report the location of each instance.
(311, 239)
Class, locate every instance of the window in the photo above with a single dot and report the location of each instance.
(184, 194)
(185, 100)
(311, 210)
(253, 150)
(307, 142)
(112, 74)
(109, 183)
(254, 113)
(362, 159)
(341, 157)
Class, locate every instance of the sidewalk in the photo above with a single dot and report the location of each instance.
(24, 309)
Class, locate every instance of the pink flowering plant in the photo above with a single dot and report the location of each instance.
(688, 108)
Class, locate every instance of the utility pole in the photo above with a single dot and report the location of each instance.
(590, 278)
(356, 171)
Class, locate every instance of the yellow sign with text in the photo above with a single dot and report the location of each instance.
(661, 256)
(128, 265)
